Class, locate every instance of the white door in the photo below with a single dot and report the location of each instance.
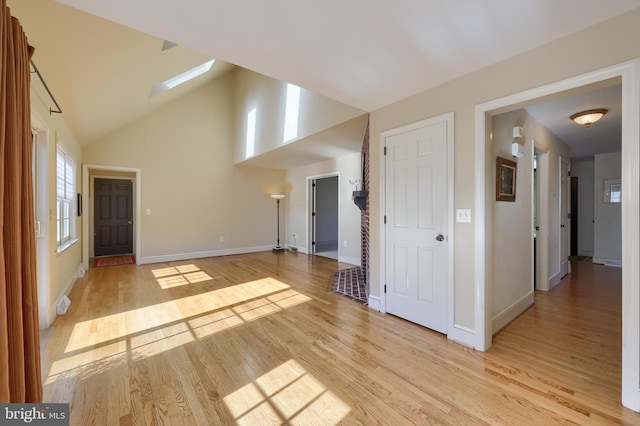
(416, 225)
(564, 218)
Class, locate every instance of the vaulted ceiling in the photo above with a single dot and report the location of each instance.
(102, 58)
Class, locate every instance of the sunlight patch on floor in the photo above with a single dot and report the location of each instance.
(99, 343)
(176, 276)
(287, 394)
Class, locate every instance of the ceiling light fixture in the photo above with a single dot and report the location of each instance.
(182, 78)
(587, 118)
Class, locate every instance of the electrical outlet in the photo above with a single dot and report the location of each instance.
(345, 243)
(221, 238)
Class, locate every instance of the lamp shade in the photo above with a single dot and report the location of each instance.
(587, 118)
(277, 196)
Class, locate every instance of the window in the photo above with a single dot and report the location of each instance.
(612, 191)
(65, 199)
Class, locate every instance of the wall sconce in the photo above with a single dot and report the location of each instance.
(515, 146)
(587, 118)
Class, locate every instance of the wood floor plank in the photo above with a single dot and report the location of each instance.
(260, 339)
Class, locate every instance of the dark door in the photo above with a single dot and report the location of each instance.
(325, 213)
(574, 216)
(113, 217)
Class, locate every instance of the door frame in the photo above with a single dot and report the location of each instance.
(41, 207)
(454, 332)
(91, 213)
(542, 236)
(309, 217)
(629, 73)
(87, 206)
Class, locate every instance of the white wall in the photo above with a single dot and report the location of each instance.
(584, 170)
(297, 202)
(269, 97)
(512, 242)
(608, 219)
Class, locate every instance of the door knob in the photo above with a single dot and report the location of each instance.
(130, 222)
(440, 237)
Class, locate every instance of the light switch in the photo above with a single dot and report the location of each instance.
(463, 215)
(148, 212)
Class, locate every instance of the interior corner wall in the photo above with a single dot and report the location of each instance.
(269, 99)
(584, 170)
(298, 203)
(535, 68)
(200, 204)
(608, 216)
(62, 268)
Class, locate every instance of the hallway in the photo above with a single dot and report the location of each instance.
(572, 334)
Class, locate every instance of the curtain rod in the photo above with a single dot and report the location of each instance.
(51, 111)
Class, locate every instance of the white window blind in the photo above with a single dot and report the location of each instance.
(65, 189)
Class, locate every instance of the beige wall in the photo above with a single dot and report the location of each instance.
(268, 96)
(196, 195)
(594, 48)
(608, 216)
(61, 268)
(349, 168)
(512, 243)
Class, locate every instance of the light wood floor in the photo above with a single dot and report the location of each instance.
(259, 339)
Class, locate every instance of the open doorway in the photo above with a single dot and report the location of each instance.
(624, 75)
(325, 226)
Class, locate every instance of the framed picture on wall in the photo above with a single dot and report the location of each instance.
(505, 179)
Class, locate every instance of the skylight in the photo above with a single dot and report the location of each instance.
(182, 78)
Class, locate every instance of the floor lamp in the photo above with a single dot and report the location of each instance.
(278, 197)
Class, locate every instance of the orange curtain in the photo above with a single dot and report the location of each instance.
(20, 377)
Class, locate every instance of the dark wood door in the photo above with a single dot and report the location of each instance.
(113, 217)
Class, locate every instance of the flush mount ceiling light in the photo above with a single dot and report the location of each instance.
(587, 118)
(182, 78)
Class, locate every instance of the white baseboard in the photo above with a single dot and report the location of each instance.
(462, 335)
(65, 292)
(555, 280)
(200, 254)
(509, 314)
(374, 302)
(607, 262)
(349, 260)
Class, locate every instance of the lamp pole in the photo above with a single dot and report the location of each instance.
(278, 197)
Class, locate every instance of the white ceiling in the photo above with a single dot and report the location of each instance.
(602, 137)
(365, 53)
(102, 64)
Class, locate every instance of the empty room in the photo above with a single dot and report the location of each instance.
(284, 213)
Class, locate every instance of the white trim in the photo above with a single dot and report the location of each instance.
(350, 260)
(462, 335)
(630, 75)
(554, 280)
(512, 312)
(607, 261)
(65, 292)
(448, 119)
(310, 179)
(374, 302)
(200, 254)
(41, 209)
(85, 207)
